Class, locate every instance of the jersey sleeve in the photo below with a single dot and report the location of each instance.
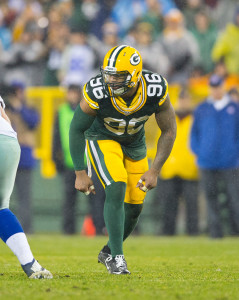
(87, 93)
(164, 91)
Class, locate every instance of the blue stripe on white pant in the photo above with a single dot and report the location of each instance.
(9, 159)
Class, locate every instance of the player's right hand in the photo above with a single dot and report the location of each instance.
(84, 183)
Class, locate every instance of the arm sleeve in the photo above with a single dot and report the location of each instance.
(79, 124)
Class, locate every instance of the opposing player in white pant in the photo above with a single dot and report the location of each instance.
(11, 231)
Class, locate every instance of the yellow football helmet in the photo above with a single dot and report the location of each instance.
(121, 70)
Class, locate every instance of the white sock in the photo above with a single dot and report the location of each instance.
(19, 245)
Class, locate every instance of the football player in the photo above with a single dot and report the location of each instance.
(109, 122)
(11, 231)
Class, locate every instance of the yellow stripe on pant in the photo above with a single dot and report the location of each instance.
(111, 165)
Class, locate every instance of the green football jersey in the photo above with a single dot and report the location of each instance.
(120, 121)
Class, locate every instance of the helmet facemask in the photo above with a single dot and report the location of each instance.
(121, 70)
(118, 82)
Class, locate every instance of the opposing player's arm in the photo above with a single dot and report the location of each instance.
(166, 121)
(82, 120)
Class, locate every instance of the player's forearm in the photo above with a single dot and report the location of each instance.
(77, 148)
(80, 123)
(164, 147)
(167, 123)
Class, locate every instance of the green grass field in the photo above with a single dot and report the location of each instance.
(162, 268)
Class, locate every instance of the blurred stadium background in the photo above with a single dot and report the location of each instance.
(44, 28)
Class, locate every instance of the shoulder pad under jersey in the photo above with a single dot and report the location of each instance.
(94, 92)
(157, 86)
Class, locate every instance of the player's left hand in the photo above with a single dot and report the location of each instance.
(148, 180)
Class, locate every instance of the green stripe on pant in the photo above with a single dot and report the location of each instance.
(98, 157)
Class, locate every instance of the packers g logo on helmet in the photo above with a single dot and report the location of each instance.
(121, 70)
(135, 59)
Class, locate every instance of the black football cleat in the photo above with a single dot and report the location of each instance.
(117, 265)
(104, 254)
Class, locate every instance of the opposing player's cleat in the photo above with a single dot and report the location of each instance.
(35, 271)
(104, 254)
(117, 265)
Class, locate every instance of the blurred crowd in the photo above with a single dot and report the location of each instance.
(63, 43)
